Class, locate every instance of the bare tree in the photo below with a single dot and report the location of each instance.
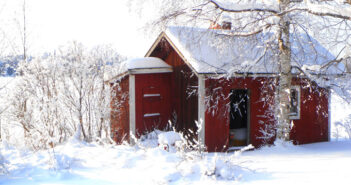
(24, 33)
(61, 93)
(14, 32)
(281, 22)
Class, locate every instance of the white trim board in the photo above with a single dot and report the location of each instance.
(202, 108)
(329, 114)
(131, 108)
(298, 91)
(151, 70)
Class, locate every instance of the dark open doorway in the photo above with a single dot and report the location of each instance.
(239, 117)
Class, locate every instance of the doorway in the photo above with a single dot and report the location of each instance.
(239, 118)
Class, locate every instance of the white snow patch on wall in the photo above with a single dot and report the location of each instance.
(151, 115)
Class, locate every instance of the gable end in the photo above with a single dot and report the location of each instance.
(162, 42)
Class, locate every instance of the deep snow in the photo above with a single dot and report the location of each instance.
(81, 163)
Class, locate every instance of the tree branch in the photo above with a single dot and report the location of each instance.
(253, 9)
(335, 61)
(267, 10)
(246, 34)
(323, 14)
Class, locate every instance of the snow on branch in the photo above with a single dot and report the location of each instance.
(250, 6)
(331, 9)
(251, 33)
(335, 10)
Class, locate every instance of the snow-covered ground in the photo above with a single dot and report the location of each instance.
(81, 163)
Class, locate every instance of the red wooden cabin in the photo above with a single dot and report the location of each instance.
(184, 78)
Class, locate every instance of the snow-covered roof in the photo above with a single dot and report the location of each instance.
(135, 64)
(146, 63)
(219, 51)
(215, 51)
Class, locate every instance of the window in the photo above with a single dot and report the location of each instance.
(295, 102)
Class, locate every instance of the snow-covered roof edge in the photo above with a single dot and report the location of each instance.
(135, 65)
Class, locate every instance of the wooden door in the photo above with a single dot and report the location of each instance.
(152, 101)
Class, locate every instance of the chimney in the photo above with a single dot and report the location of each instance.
(226, 25)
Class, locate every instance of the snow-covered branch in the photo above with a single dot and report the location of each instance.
(251, 6)
(251, 33)
(321, 12)
(330, 9)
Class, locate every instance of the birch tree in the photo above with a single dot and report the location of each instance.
(325, 21)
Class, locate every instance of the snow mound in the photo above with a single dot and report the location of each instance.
(149, 140)
(166, 140)
(169, 138)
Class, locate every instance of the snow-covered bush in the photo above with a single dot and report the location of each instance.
(3, 169)
(35, 103)
(191, 159)
(225, 167)
(60, 93)
(347, 126)
(170, 141)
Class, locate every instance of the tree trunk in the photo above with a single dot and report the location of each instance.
(283, 120)
(80, 110)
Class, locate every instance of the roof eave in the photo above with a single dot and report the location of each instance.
(150, 70)
(116, 77)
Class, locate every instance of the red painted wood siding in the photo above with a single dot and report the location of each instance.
(217, 114)
(120, 110)
(311, 127)
(313, 124)
(148, 104)
(184, 82)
